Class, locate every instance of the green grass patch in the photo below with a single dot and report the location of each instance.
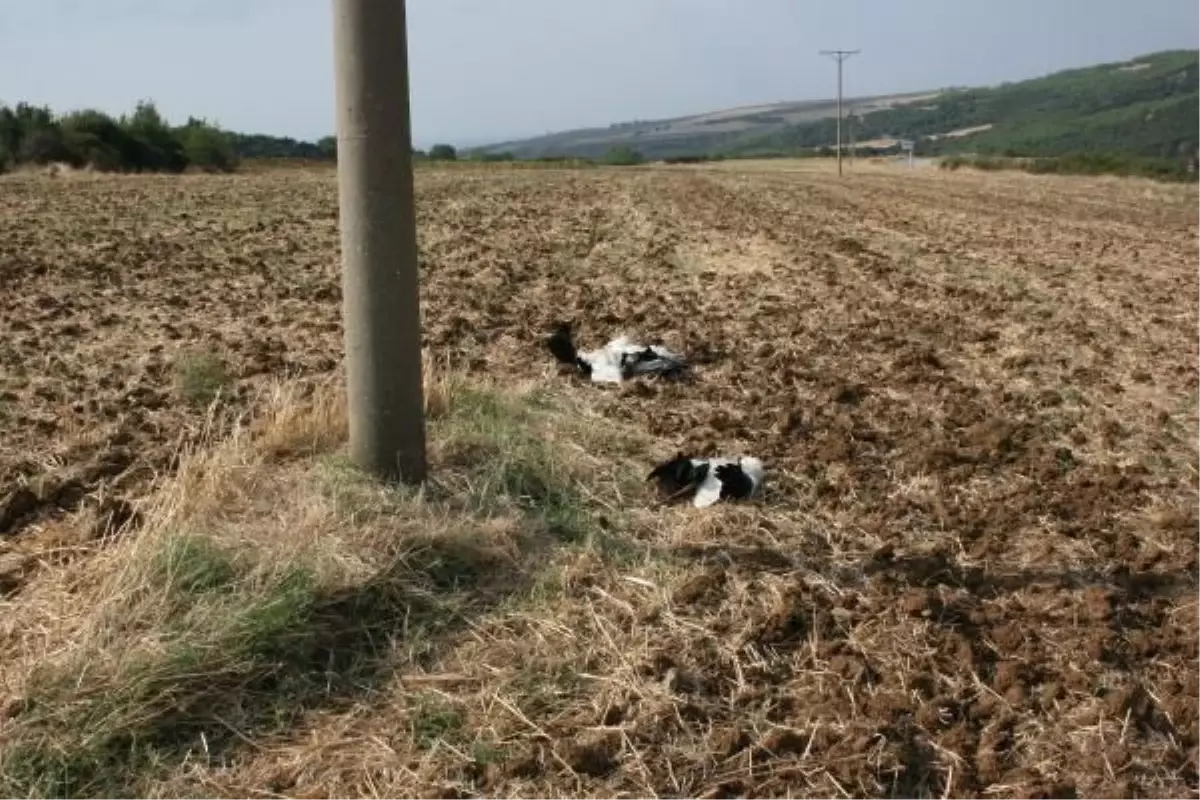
(187, 566)
(499, 441)
(434, 720)
(202, 633)
(200, 377)
(200, 641)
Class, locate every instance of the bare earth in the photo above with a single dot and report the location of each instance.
(976, 396)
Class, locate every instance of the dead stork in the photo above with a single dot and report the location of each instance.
(618, 360)
(708, 480)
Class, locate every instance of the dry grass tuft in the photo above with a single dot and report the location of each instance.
(231, 615)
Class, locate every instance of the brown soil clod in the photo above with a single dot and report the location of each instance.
(14, 506)
(780, 742)
(594, 752)
(14, 569)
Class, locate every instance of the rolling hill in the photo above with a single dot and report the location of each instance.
(1146, 107)
(699, 133)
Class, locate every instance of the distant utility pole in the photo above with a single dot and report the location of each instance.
(839, 56)
(381, 314)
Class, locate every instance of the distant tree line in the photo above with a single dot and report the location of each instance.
(142, 141)
(1081, 164)
(258, 145)
(447, 152)
(139, 142)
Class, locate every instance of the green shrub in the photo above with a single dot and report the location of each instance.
(490, 158)
(623, 156)
(95, 138)
(207, 147)
(694, 159)
(201, 377)
(43, 146)
(155, 147)
(1166, 169)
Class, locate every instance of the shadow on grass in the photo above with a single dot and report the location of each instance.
(293, 649)
(932, 569)
(928, 570)
(238, 649)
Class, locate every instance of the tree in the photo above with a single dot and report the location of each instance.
(443, 152)
(207, 147)
(43, 146)
(623, 156)
(10, 132)
(29, 133)
(95, 138)
(154, 145)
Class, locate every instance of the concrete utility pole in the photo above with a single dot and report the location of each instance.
(839, 56)
(380, 303)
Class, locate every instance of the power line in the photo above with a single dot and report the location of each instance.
(839, 56)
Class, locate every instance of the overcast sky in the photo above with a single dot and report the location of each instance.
(484, 70)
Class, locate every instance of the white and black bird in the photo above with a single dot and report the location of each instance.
(708, 480)
(617, 361)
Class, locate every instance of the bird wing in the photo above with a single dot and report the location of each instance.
(663, 352)
(647, 360)
(753, 467)
(709, 491)
(606, 368)
(622, 357)
(605, 371)
(620, 345)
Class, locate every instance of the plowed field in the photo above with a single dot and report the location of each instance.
(976, 396)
